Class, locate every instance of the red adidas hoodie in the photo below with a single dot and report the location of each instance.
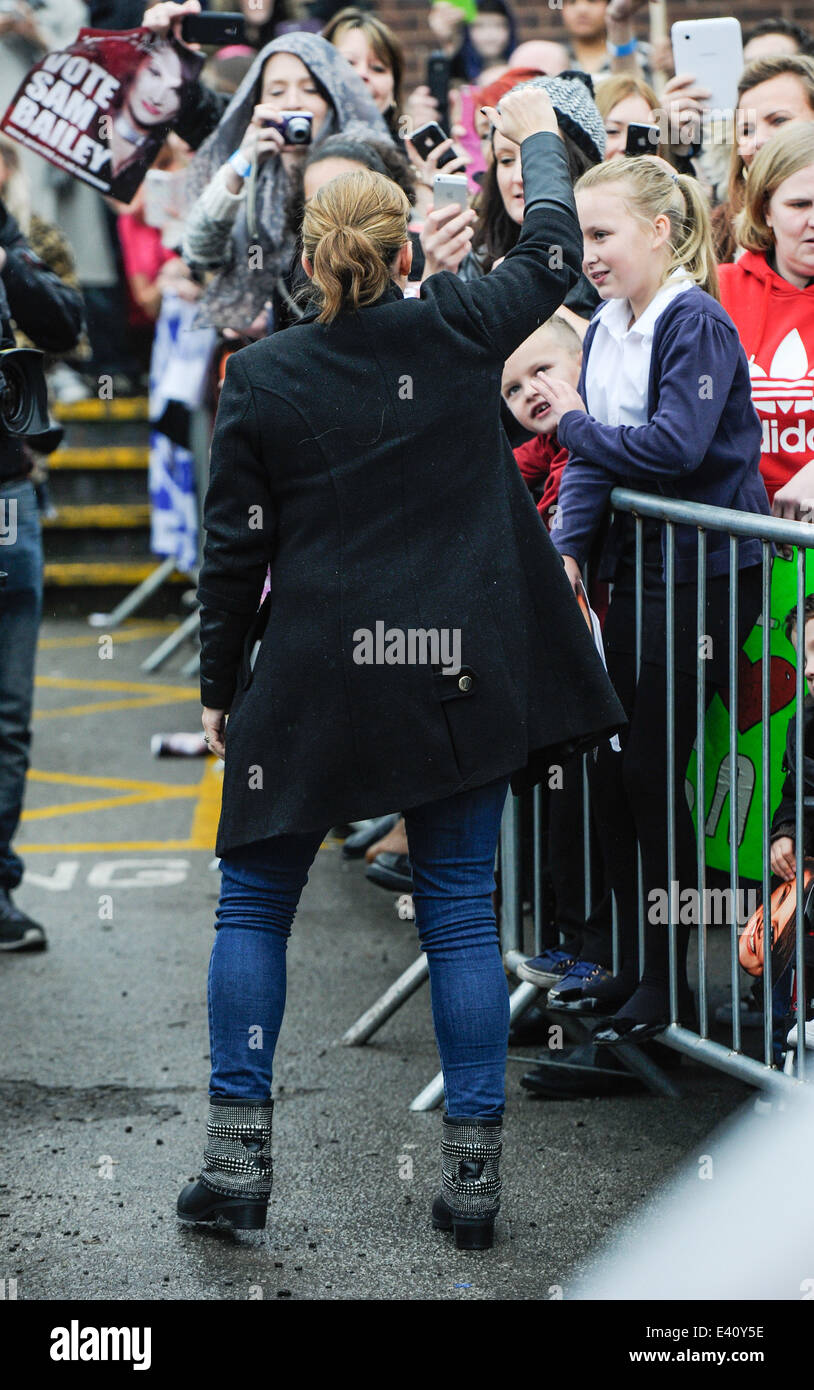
(542, 460)
(775, 321)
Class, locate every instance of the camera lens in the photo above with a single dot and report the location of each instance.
(12, 399)
(298, 130)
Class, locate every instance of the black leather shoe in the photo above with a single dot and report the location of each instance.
(367, 833)
(200, 1205)
(18, 931)
(391, 871)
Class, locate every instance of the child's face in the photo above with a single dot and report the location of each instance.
(542, 355)
(489, 34)
(809, 653)
(619, 251)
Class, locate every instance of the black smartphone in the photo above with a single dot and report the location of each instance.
(213, 30)
(427, 137)
(438, 83)
(642, 139)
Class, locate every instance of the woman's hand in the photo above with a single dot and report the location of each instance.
(683, 104)
(214, 726)
(523, 113)
(446, 237)
(421, 107)
(784, 864)
(426, 169)
(574, 574)
(175, 277)
(795, 499)
(167, 18)
(560, 396)
(261, 140)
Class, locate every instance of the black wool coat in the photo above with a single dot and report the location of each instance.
(364, 460)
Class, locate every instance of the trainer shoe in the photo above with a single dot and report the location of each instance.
(546, 970)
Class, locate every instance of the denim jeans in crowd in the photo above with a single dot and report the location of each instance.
(452, 852)
(20, 613)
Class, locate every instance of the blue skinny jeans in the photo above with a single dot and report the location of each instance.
(452, 853)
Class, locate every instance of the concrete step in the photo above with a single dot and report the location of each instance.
(86, 574)
(106, 456)
(122, 516)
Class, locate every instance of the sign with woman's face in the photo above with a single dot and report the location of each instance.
(101, 108)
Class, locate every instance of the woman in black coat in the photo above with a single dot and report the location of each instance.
(419, 646)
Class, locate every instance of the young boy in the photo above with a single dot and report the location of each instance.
(553, 349)
(783, 824)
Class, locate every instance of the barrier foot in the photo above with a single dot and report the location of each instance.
(134, 600)
(387, 1004)
(168, 646)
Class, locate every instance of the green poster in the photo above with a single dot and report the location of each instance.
(750, 733)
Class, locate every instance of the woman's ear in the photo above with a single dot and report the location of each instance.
(406, 258)
(307, 266)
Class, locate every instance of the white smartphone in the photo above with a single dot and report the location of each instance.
(448, 189)
(712, 50)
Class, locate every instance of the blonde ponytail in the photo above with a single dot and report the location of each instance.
(352, 230)
(650, 191)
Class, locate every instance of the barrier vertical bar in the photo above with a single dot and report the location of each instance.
(537, 889)
(734, 963)
(586, 838)
(799, 824)
(639, 602)
(700, 780)
(765, 716)
(672, 884)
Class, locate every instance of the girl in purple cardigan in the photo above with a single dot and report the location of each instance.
(663, 406)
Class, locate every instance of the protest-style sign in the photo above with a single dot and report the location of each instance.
(101, 108)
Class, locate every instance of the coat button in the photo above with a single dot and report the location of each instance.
(465, 683)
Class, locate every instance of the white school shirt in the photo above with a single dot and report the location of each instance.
(618, 371)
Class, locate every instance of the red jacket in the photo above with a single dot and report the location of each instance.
(775, 321)
(542, 460)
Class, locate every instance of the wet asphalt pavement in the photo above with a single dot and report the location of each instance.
(105, 1055)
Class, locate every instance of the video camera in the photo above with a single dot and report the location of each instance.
(24, 398)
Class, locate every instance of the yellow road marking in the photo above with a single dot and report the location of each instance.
(122, 784)
(104, 706)
(75, 808)
(178, 692)
(204, 820)
(132, 634)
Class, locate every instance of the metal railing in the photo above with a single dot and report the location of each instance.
(770, 531)
(699, 1046)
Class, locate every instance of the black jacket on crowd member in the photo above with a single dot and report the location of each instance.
(364, 460)
(42, 307)
(784, 819)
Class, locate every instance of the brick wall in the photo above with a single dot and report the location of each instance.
(536, 21)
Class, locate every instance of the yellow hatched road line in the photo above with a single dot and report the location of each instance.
(207, 794)
(177, 692)
(137, 633)
(123, 784)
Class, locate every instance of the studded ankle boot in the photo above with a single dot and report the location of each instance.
(235, 1183)
(470, 1181)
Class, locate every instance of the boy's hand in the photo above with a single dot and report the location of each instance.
(561, 396)
(784, 864)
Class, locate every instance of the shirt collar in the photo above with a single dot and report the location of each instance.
(615, 314)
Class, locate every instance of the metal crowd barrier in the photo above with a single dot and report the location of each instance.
(730, 1058)
(770, 531)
